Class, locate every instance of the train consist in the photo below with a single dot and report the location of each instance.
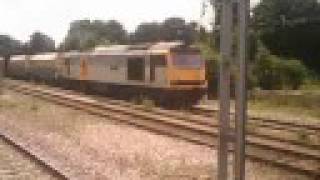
(167, 72)
(1, 66)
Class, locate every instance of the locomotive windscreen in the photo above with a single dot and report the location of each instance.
(187, 61)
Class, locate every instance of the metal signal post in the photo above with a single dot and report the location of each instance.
(233, 50)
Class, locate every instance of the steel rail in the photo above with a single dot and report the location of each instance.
(21, 147)
(284, 123)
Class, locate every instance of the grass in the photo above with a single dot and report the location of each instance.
(37, 112)
(311, 85)
(303, 137)
(303, 109)
(148, 104)
(305, 101)
(5, 102)
(306, 104)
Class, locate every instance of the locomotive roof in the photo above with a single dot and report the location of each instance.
(122, 53)
(144, 46)
(140, 49)
(18, 58)
(124, 50)
(44, 57)
(166, 45)
(111, 48)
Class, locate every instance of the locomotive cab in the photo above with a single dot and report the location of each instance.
(186, 69)
(185, 76)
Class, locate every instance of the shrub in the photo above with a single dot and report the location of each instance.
(294, 73)
(267, 72)
(275, 73)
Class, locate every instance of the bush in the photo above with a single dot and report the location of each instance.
(275, 73)
(212, 76)
(267, 72)
(294, 73)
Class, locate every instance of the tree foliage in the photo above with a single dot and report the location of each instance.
(290, 28)
(40, 42)
(273, 72)
(147, 32)
(85, 34)
(10, 46)
(171, 29)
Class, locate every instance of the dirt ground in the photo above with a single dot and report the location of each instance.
(104, 149)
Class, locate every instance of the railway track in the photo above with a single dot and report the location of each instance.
(207, 120)
(281, 125)
(286, 154)
(33, 155)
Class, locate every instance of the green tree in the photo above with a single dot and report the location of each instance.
(171, 29)
(115, 32)
(8, 47)
(290, 28)
(40, 42)
(148, 32)
(86, 34)
(273, 72)
(176, 28)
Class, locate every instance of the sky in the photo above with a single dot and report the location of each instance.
(20, 18)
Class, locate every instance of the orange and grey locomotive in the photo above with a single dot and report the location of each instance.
(168, 72)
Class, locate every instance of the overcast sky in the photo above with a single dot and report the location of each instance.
(20, 18)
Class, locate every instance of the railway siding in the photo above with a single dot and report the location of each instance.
(56, 168)
(19, 154)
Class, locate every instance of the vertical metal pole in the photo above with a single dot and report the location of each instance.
(241, 92)
(224, 122)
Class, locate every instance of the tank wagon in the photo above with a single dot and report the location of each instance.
(2, 66)
(168, 72)
(42, 67)
(17, 66)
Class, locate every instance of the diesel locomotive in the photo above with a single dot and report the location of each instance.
(169, 73)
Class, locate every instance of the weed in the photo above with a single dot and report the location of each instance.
(148, 104)
(1, 85)
(135, 101)
(251, 128)
(303, 136)
(304, 104)
(4, 103)
(34, 105)
(317, 138)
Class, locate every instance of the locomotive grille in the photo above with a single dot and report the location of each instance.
(188, 82)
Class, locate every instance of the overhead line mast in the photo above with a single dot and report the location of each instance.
(231, 20)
